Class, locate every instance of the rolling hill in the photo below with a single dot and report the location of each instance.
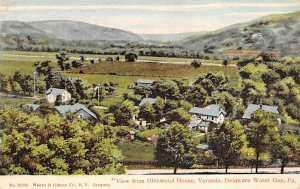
(67, 30)
(270, 33)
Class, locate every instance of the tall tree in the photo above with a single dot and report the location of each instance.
(285, 148)
(180, 115)
(227, 142)
(147, 112)
(261, 132)
(174, 147)
(196, 64)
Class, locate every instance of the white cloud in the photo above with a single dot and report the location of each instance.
(173, 8)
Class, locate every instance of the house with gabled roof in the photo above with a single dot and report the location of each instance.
(52, 93)
(80, 110)
(252, 108)
(33, 107)
(151, 101)
(213, 113)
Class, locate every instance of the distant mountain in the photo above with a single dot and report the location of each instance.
(19, 28)
(270, 33)
(67, 30)
(168, 37)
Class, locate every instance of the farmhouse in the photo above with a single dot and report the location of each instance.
(52, 93)
(213, 113)
(202, 117)
(252, 108)
(80, 110)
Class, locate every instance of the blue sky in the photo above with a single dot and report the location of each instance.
(151, 16)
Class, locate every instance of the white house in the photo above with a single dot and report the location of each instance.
(213, 113)
(202, 117)
(52, 93)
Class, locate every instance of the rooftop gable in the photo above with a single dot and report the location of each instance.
(147, 100)
(55, 91)
(251, 108)
(213, 110)
(63, 109)
(33, 106)
(145, 81)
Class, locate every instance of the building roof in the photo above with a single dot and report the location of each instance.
(204, 123)
(145, 81)
(147, 100)
(253, 107)
(202, 146)
(195, 123)
(213, 110)
(55, 91)
(291, 128)
(191, 84)
(63, 109)
(33, 106)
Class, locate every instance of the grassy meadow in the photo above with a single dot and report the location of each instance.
(14, 102)
(146, 69)
(126, 73)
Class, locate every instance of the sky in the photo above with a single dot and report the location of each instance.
(147, 16)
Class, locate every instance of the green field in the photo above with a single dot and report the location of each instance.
(14, 102)
(127, 73)
(137, 151)
(51, 55)
(153, 69)
(123, 82)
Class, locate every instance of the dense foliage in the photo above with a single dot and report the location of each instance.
(54, 145)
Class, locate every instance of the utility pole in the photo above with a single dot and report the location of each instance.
(98, 88)
(34, 87)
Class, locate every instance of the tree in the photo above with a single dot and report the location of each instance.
(285, 148)
(174, 147)
(262, 131)
(197, 96)
(82, 59)
(180, 115)
(50, 145)
(227, 141)
(196, 64)
(270, 77)
(225, 62)
(61, 59)
(147, 112)
(166, 89)
(130, 57)
(124, 112)
(159, 107)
